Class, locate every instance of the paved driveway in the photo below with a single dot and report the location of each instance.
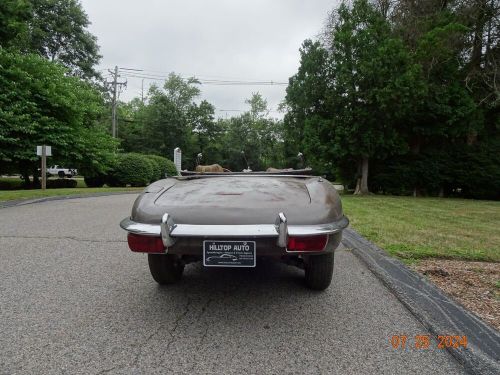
(74, 299)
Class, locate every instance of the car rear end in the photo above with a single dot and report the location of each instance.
(230, 221)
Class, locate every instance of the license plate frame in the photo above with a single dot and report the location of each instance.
(226, 253)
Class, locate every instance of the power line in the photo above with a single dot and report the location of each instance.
(210, 81)
(163, 73)
(143, 74)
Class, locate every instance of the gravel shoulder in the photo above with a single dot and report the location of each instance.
(476, 285)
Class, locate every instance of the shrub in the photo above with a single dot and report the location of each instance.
(61, 183)
(170, 168)
(131, 169)
(157, 167)
(11, 184)
(95, 181)
(164, 166)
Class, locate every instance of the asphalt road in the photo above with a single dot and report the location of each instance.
(74, 299)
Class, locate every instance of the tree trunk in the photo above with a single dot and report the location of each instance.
(26, 177)
(362, 184)
(36, 178)
(415, 142)
(357, 191)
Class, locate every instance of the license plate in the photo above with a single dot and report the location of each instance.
(229, 253)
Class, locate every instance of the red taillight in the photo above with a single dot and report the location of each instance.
(311, 243)
(145, 244)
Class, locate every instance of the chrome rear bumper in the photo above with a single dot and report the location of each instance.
(169, 231)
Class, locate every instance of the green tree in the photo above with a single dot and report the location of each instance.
(305, 101)
(376, 87)
(169, 117)
(259, 137)
(131, 118)
(58, 31)
(41, 104)
(206, 129)
(350, 98)
(14, 15)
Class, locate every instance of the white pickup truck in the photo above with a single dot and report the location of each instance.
(57, 170)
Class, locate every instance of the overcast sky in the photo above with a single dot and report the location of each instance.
(250, 40)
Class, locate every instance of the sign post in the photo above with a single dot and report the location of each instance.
(178, 159)
(44, 151)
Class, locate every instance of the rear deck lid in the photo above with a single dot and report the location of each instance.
(235, 199)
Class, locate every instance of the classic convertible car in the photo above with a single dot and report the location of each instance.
(231, 219)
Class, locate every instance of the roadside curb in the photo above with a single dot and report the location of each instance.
(23, 202)
(432, 307)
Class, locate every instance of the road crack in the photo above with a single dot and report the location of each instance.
(176, 324)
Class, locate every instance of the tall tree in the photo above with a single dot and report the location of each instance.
(14, 16)
(306, 101)
(254, 133)
(205, 128)
(41, 104)
(168, 117)
(58, 30)
(367, 86)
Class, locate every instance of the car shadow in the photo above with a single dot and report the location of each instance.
(268, 273)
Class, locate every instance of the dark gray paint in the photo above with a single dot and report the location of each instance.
(239, 199)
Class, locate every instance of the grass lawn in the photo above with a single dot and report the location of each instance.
(415, 228)
(6, 195)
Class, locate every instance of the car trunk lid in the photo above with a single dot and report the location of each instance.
(234, 199)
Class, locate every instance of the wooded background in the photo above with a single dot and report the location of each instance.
(395, 97)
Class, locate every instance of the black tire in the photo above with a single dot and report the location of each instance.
(61, 174)
(319, 271)
(165, 268)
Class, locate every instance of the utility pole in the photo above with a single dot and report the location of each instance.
(114, 91)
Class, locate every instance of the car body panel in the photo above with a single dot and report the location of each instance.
(239, 200)
(265, 208)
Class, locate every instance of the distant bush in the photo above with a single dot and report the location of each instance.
(11, 184)
(165, 167)
(95, 181)
(170, 168)
(157, 167)
(61, 183)
(131, 169)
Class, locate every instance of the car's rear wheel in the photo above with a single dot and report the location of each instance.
(61, 174)
(165, 268)
(319, 271)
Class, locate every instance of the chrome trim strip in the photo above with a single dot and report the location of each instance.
(256, 230)
(311, 230)
(140, 228)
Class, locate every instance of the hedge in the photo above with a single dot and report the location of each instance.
(95, 181)
(131, 169)
(11, 184)
(61, 183)
(164, 166)
(135, 170)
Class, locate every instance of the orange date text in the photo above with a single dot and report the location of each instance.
(425, 341)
